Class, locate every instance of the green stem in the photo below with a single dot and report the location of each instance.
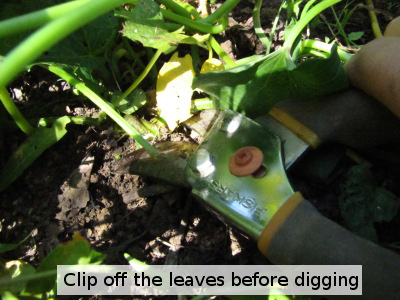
(210, 50)
(273, 29)
(153, 73)
(150, 127)
(134, 55)
(47, 122)
(307, 18)
(374, 20)
(37, 19)
(195, 14)
(348, 15)
(196, 25)
(43, 39)
(103, 105)
(257, 24)
(321, 46)
(341, 29)
(224, 9)
(201, 104)
(317, 53)
(306, 8)
(194, 51)
(218, 49)
(140, 78)
(176, 7)
(14, 112)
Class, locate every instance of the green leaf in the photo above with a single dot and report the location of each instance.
(354, 36)
(11, 273)
(363, 203)
(132, 103)
(7, 296)
(9, 247)
(385, 205)
(84, 48)
(196, 39)
(252, 89)
(75, 252)
(135, 262)
(32, 148)
(146, 25)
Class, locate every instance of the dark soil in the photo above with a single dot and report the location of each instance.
(154, 223)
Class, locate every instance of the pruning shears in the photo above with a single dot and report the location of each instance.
(239, 172)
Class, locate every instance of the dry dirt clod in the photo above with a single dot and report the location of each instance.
(75, 194)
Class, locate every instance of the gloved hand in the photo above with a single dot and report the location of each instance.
(375, 69)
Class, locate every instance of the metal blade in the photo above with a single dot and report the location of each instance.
(202, 122)
(170, 164)
(293, 146)
(247, 202)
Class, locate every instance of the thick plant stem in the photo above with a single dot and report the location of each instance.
(311, 14)
(273, 29)
(225, 8)
(175, 7)
(14, 112)
(306, 8)
(80, 86)
(43, 39)
(140, 78)
(37, 19)
(257, 25)
(374, 21)
(218, 49)
(45, 122)
(306, 45)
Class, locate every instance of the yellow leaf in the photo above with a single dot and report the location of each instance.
(174, 90)
(212, 64)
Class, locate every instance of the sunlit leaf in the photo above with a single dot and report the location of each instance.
(210, 65)
(12, 270)
(7, 296)
(146, 25)
(174, 92)
(75, 252)
(252, 89)
(197, 39)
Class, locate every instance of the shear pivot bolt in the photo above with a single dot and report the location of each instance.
(246, 161)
